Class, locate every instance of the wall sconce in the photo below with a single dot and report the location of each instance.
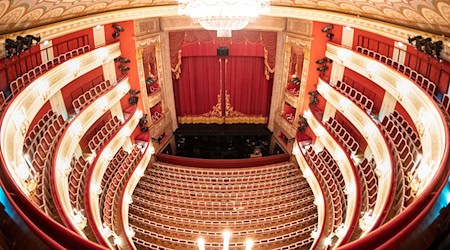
(382, 169)
(44, 90)
(65, 168)
(314, 233)
(102, 54)
(21, 121)
(328, 240)
(97, 190)
(79, 219)
(248, 244)
(106, 231)
(130, 232)
(201, 243)
(402, 90)
(343, 55)
(368, 131)
(128, 200)
(74, 67)
(344, 104)
(372, 69)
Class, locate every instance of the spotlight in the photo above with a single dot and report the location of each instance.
(322, 68)
(295, 80)
(122, 59)
(117, 30)
(134, 92)
(36, 39)
(414, 39)
(330, 36)
(420, 44)
(133, 100)
(150, 80)
(322, 61)
(327, 28)
(438, 47)
(123, 68)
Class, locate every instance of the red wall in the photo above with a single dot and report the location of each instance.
(402, 111)
(97, 126)
(370, 89)
(352, 130)
(373, 45)
(80, 85)
(128, 49)
(39, 115)
(60, 47)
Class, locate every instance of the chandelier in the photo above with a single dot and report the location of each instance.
(223, 15)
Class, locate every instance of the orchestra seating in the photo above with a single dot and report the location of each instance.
(174, 205)
(104, 134)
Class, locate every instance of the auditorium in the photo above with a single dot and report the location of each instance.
(225, 124)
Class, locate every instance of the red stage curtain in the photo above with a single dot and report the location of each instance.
(198, 91)
(247, 91)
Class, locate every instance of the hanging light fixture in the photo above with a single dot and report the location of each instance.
(223, 15)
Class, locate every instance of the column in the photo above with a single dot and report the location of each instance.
(99, 35)
(347, 36)
(387, 106)
(46, 51)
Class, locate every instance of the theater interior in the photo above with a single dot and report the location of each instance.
(225, 124)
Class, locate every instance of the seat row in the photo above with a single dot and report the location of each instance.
(172, 212)
(342, 135)
(104, 134)
(89, 96)
(236, 211)
(226, 173)
(113, 165)
(359, 98)
(369, 182)
(404, 163)
(115, 186)
(221, 188)
(42, 164)
(220, 224)
(37, 132)
(330, 181)
(422, 81)
(21, 82)
(274, 242)
(77, 181)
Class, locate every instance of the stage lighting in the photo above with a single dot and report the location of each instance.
(413, 39)
(322, 68)
(122, 59)
(134, 92)
(438, 47)
(133, 100)
(330, 36)
(322, 61)
(150, 80)
(327, 28)
(117, 30)
(36, 39)
(123, 68)
(295, 80)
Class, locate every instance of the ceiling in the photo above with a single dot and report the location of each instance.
(427, 15)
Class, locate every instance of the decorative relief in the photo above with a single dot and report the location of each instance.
(299, 26)
(146, 26)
